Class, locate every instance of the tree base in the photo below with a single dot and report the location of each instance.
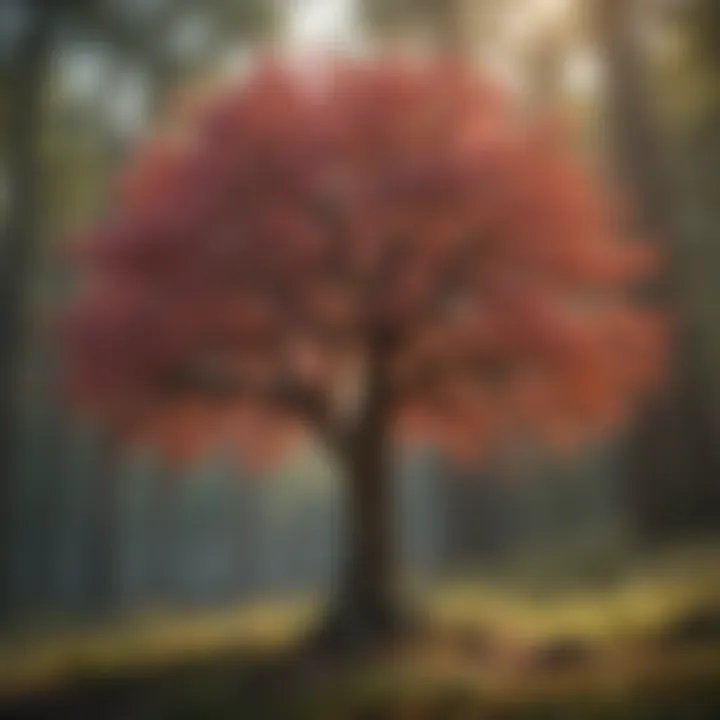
(354, 629)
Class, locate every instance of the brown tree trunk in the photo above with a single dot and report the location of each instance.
(369, 583)
(674, 456)
(448, 18)
(368, 610)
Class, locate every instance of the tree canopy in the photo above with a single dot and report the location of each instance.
(296, 237)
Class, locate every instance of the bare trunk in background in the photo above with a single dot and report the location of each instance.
(674, 454)
(20, 240)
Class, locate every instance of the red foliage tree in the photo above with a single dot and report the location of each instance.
(384, 252)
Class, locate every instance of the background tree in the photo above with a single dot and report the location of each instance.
(35, 34)
(25, 82)
(676, 446)
(387, 254)
(442, 24)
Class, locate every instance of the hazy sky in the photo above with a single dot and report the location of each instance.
(314, 23)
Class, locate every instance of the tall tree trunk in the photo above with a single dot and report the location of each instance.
(20, 238)
(104, 530)
(448, 18)
(369, 585)
(368, 610)
(674, 456)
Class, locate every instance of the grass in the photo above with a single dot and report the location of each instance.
(632, 670)
(149, 642)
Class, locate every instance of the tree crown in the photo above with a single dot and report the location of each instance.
(298, 239)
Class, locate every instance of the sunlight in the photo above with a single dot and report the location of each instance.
(315, 23)
(549, 11)
(583, 73)
(530, 18)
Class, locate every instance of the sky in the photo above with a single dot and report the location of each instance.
(310, 26)
(317, 23)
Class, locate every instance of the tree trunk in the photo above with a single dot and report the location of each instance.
(449, 22)
(369, 583)
(674, 456)
(368, 610)
(20, 236)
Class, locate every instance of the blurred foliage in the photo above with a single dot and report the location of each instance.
(440, 21)
(393, 14)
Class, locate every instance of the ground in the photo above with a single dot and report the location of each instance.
(649, 648)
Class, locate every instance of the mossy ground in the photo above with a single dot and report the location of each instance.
(648, 649)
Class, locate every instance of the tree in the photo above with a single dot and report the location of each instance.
(382, 254)
(132, 32)
(677, 440)
(444, 23)
(24, 93)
